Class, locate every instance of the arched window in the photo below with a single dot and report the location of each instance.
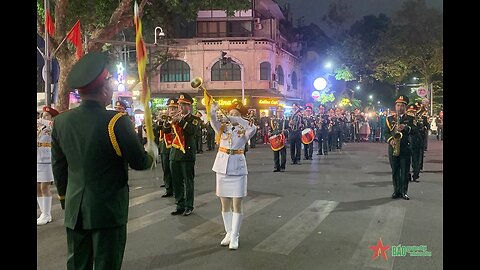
(175, 71)
(280, 75)
(228, 72)
(265, 71)
(294, 80)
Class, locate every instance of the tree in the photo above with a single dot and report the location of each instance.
(105, 19)
(414, 44)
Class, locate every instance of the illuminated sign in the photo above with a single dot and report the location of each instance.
(269, 101)
(225, 102)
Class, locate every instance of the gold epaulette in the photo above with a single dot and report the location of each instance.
(111, 132)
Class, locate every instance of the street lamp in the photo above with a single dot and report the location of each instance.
(358, 87)
(370, 97)
(161, 34)
(328, 65)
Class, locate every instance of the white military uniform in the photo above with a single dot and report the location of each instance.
(231, 169)
(44, 152)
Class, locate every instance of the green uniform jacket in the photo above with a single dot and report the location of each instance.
(86, 168)
(189, 124)
(410, 127)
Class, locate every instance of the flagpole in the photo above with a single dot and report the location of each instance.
(54, 52)
(47, 61)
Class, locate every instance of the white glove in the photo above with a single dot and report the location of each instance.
(152, 150)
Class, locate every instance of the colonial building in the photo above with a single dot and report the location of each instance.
(262, 61)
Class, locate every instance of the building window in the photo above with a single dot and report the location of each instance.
(175, 71)
(265, 71)
(280, 75)
(228, 72)
(212, 29)
(224, 29)
(294, 80)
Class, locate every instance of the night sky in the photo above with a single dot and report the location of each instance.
(313, 10)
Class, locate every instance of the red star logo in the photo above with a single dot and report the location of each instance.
(379, 249)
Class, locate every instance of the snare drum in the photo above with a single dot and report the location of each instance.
(307, 135)
(277, 142)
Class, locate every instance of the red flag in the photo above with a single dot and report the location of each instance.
(49, 24)
(75, 36)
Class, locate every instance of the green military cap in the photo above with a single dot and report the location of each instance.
(412, 108)
(402, 99)
(185, 98)
(89, 72)
(172, 102)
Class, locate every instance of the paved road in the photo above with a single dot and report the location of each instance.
(322, 214)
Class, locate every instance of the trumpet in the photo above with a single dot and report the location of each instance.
(165, 118)
(197, 82)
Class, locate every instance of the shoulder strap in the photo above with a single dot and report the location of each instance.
(111, 132)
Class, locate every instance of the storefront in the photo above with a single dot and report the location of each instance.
(266, 105)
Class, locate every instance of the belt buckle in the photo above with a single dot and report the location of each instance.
(230, 151)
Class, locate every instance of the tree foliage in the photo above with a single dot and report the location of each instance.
(105, 19)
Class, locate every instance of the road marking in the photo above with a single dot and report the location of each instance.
(214, 226)
(133, 202)
(159, 215)
(290, 235)
(386, 224)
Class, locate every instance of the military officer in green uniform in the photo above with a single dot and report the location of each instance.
(183, 154)
(91, 150)
(398, 130)
(416, 143)
(423, 127)
(165, 145)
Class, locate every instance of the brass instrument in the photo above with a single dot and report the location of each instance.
(397, 136)
(197, 82)
(166, 118)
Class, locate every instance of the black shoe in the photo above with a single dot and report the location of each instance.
(276, 170)
(319, 154)
(282, 170)
(187, 212)
(162, 185)
(292, 163)
(395, 195)
(177, 212)
(167, 195)
(405, 197)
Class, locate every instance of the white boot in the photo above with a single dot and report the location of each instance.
(47, 217)
(227, 223)
(236, 223)
(40, 204)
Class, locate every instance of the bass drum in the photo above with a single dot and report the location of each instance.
(277, 142)
(307, 135)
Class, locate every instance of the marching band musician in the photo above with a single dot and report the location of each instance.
(322, 131)
(279, 127)
(332, 122)
(296, 125)
(231, 167)
(165, 144)
(308, 122)
(423, 127)
(44, 164)
(253, 121)
(183, 155)
(400, 164)
(416, 145)
(339, 128)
